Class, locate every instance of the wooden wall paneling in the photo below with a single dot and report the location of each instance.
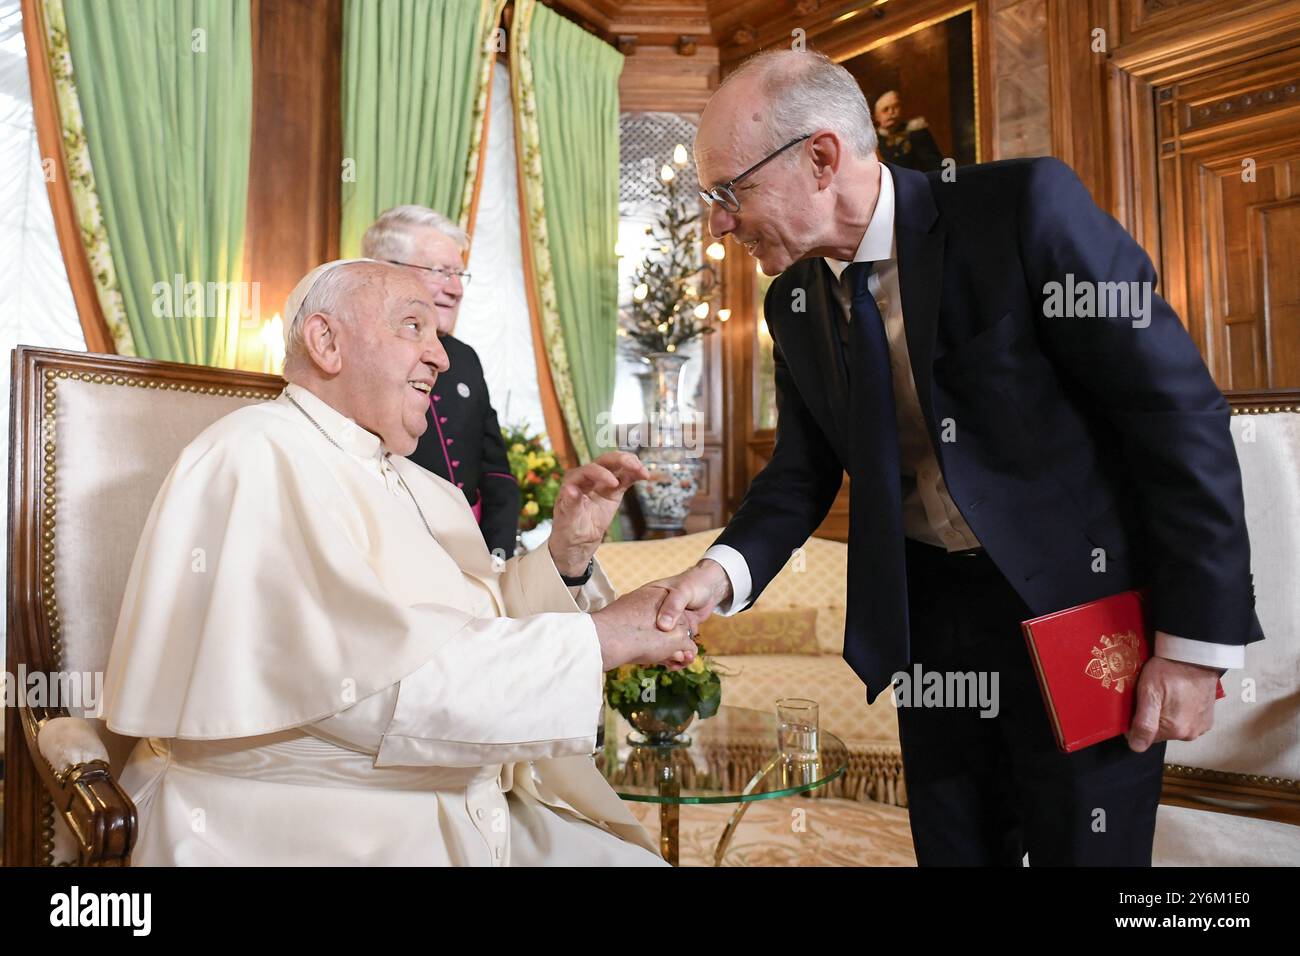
(661, 79)
(1022, 87)
(1079, 103)
(663, 23)
(296, 162)
(1160, 21)
(838, 29)
(1275, 229)
(671, 59)
(709, 509)
(1240, 254)
(1172, 261)
(738, 401)
(1188, 102)
(1133, 159)
(1204, 32)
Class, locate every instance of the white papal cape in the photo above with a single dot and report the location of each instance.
(317, 680)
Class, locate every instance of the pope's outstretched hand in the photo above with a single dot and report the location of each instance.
(587, 503)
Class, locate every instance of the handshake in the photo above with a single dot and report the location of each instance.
(658, 622)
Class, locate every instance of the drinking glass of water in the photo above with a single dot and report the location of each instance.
(796, 729)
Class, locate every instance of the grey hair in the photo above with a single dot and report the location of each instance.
(327, 294)
(807, 91)
(389, 236)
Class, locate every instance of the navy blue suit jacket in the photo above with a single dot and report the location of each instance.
(1071, 434)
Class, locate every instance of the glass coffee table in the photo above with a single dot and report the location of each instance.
(731, 757)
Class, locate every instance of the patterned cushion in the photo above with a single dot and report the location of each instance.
(815, 576)
(792, 631)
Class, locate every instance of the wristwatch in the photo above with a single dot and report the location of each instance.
(581, 579)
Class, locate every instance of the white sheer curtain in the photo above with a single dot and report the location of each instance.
(494, 314)
(36, 305)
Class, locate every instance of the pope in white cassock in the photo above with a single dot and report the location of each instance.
(324, 662)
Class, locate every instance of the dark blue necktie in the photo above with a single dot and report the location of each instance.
(876, 639)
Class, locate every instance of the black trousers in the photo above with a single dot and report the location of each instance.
(984, 791)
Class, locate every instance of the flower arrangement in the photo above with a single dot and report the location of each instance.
(673, 288)
(673, 696)
(536, 472)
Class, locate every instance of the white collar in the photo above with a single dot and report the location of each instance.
(340, 429)
(877, 243)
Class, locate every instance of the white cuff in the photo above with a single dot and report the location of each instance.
(1205, 653)
(737, 569)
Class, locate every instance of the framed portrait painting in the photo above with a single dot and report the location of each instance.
(923, 90)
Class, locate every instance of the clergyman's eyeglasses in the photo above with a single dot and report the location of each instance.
(442, 273)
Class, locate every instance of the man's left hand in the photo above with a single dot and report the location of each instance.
(587, 503)
(1175, 701)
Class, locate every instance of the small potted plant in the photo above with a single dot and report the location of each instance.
(661, 703)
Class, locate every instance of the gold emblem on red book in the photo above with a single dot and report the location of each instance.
(1116, 661)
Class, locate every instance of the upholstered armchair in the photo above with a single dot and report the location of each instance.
(1233, 796)
(91, 439)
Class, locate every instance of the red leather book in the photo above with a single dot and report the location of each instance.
(1088, 659)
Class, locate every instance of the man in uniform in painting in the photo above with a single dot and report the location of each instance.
(908, 143)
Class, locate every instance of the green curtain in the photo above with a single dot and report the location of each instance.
(165, 88)
(411, 77)
(575, 84)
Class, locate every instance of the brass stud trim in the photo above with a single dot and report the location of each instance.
(1223, 776)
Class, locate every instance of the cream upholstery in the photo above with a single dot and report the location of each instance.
(1262, 736)
(1186, 837)
(1257, 725)
(69, 741)
(759, 680)
(814, 577)
(115, 444)
(101, 432)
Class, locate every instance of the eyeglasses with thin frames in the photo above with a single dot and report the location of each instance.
(444, 274)
(724, 193)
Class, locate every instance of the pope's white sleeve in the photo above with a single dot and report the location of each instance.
(500, 691)
(531, 584)
(503, 690)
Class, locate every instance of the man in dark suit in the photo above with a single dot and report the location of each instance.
(463, 442)
(1011, 453)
